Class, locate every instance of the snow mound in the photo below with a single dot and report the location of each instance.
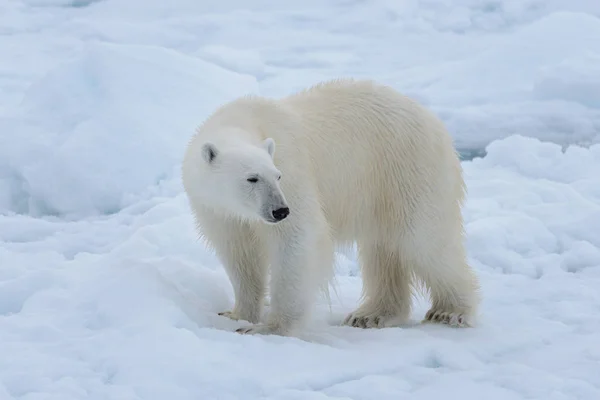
(543, 160)
(99, 130)
(240, 60)
(534, 208)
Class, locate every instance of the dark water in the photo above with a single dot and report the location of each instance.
(469, 154)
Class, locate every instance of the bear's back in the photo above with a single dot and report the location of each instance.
(369, 147)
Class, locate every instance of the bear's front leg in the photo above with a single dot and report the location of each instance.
(245, 261)
(247, 273)
(293, 249)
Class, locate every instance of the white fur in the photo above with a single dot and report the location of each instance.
(360, 163)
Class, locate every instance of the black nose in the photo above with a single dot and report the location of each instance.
(281, 213)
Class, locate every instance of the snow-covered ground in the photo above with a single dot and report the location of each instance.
(105, 292)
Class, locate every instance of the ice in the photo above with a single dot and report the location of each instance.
(520, 84)
(105, 291)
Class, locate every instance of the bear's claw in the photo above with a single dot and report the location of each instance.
(260, 329)
(240, 316)
(374, 319)
(446, 317)
(229, 314)
(367, 321)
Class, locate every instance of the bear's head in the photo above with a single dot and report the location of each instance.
(240, 180)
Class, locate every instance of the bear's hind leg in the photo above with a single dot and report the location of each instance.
(451, 282)
(386, 288)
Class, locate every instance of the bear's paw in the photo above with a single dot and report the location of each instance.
(361, 318)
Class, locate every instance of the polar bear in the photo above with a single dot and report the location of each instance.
(280, 183)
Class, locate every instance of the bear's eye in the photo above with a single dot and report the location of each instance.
(279, 178)
(253, 179)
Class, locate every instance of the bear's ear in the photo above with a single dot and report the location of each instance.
(269, 146)
(209, 152)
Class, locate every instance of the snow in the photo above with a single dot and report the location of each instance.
(105, 292)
